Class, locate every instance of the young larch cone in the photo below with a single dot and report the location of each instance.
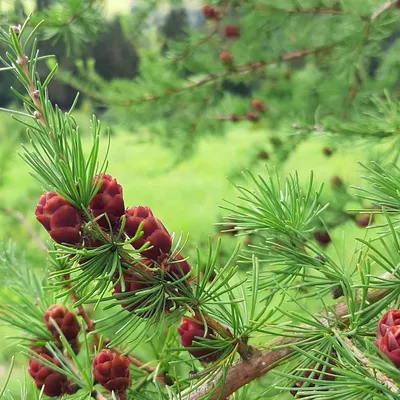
(231, 31)
(226, 58)
(108, 201)
(253, 117)
(336, 182)
(154, 232)
(134, 282)
(210, 12)
(389, 344)
(364, 220)
(327, 151)
(258, 105)
(112, 371)
(391, 318)
(66, 321)
(60, 218)
(191, 332)
(323, 238)
(55, 384)
(263, 155)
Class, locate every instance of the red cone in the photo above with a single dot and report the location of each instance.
(60, 218)
(66, 321)
(191, 331)
(109, 201)
(112, 371)
(55, 384)
(154, 232)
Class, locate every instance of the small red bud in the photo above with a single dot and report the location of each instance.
(253, 117)
(226, 58)
(154, 232)
(258, 105)
(336, 182)
(66, 321)
(389, 344)
(192, 331)
(323, 238)
(61, 219)
(54, 383)
(108, 200)
(231, 31)
(364, 220)
(112, 371)
(327, 151)
(210, 12)
(263, 155)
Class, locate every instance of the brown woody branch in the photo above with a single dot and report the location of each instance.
(246, 371)
(314, 11)
(242, 69)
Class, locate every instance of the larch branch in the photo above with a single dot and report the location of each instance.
(246, 371)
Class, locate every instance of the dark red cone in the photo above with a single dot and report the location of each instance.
(391, 318)
(191, 331)
(253, 117)
(134, 282)
(112, 371)
(154, 232)
(66, 321)
(323, 238)
(389, 344)
(210, 12)
(258, 105)
(109, 201)
(231, 31)
(364, 220)
(55, 384)
(60, 218)
(226, 59)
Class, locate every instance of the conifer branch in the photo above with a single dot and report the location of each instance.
(367, 31)
(243, 69)
(246, 371)
(314, 11)
(386, 6)
(379, 376)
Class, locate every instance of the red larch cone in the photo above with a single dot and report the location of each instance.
(191, 331)
(112, 371)
(61, 219)
(55, 384)
(231, 31)
(154, 232)
(108, 201)
(66, 321)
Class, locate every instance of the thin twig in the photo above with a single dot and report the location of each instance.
(314, 11)
(243, 69)
(377, 13)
